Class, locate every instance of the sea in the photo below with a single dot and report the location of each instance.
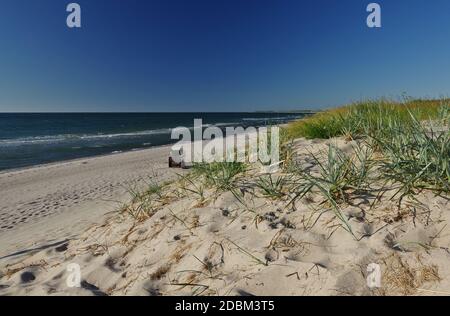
(29, 139)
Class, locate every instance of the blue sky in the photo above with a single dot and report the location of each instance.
(219, 55)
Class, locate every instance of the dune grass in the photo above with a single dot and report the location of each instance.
(220, 175)
(274, 187)
(338, 176)
(405, 146)
(408, 144)
(365, 118)
(412, 137)
(417, 155)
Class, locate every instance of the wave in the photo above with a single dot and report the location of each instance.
(282, 118)
(258, 119)
(47, 139)
(52, 139)
(226, 124)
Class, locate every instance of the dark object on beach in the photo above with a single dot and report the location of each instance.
(27, 277)
(244, 227)
(152, 290)
(173, 164)
(225, 212)
(110, 263)
(177, 237)
(91, 287)
(178, 155)
(287, 223)
(270, 217)
(51, 290)
(244, 293)
(61, 248)
(273, 225)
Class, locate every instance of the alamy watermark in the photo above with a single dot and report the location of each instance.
(74, 275)
(374, 18)
(374, 276)
(237, 144)
(74, 18)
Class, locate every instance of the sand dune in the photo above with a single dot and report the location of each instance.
(190, 241)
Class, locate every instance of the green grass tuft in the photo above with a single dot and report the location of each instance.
(365, 118)
(220, 175)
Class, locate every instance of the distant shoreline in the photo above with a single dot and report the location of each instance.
(81, 159)
(28, 140)
(177, 112)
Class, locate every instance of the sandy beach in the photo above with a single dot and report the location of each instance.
(49, 203)
(189, 238)
(223, 149)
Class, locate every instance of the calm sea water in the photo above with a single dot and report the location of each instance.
(37, 138)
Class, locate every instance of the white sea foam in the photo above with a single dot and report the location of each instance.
(71, 137)
(282, 118)
(49, 139)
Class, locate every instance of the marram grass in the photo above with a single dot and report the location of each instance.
(412, 137)
(365, 118)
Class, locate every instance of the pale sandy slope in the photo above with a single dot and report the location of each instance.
(53, 202)
(192, 239)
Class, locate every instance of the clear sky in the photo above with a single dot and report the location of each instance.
(219, 55)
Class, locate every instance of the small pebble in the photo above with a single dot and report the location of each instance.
(273, 225)
(270, 217)
(27, 277)
(225, 212)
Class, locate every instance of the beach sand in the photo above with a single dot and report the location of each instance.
(190, 239)
(54, 202)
